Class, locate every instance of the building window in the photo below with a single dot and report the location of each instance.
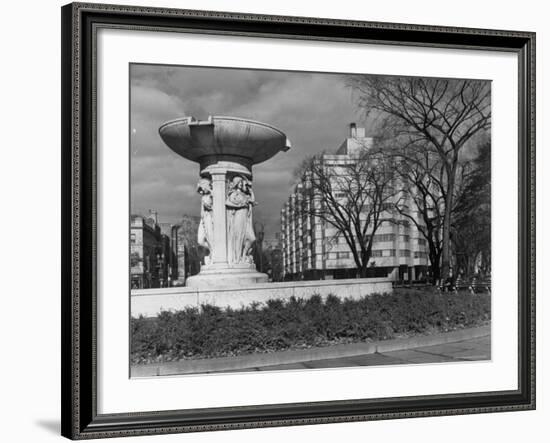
(391, 252)
(421, 241)
(376, 253)
(404, 253)
(383, 237)
(342, 255)
(420, 254)
(406, 238)
(133, 238)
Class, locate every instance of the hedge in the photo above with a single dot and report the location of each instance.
(297, 323)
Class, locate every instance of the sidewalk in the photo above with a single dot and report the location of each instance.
(467, 350)
(461, 345)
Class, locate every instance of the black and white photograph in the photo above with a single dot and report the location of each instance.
(275, 221)
(302, 220)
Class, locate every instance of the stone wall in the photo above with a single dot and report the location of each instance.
(149, 302)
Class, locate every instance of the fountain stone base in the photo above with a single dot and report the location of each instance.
(222, 276)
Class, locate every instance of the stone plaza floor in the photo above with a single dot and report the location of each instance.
(466, 350)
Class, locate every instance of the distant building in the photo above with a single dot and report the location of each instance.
(312, 249)
(275, 271)
(150, 252)
(177, 255)
(179, 258)
(190, 254)
(268, 257)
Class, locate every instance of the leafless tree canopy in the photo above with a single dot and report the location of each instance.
(440, 116)
(354, 197)
(423, 176)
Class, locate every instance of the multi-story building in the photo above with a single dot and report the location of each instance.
(314, 249)
(176, 257)
(150, 252)
(189, 254)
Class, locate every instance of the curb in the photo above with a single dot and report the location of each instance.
(303, 355)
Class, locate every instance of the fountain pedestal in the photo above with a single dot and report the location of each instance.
(225, 148)
(221, 271)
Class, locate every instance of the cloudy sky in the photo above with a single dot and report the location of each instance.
(313, 110)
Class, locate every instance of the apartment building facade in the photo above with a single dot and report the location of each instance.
(314, 249)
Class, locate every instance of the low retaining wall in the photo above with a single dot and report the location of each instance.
(149, 302)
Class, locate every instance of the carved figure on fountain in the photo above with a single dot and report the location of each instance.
(240, 230)
(206, 225)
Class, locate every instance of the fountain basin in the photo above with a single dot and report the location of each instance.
(222, 138)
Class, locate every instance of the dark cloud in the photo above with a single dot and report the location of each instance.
(312, 109)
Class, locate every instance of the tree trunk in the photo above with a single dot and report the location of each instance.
(363, 266)
(446, 240)
(434, 264)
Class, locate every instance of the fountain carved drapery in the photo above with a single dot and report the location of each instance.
(240, 236)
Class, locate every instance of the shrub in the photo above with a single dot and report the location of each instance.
(278, 325)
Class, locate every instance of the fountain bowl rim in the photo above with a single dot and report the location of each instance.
(211, 121)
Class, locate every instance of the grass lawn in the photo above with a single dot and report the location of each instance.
(298, 323)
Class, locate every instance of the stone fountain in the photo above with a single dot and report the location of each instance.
(225, 148)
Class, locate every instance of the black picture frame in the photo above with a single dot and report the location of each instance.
(79, 174)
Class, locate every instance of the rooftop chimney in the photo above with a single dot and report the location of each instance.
(352, 130)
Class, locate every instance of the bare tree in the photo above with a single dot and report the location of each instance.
(353, 195)
(443, 115)
(422, 198)
(421, 176)
(471, 233)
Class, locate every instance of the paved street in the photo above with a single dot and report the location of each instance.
(467, 350)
